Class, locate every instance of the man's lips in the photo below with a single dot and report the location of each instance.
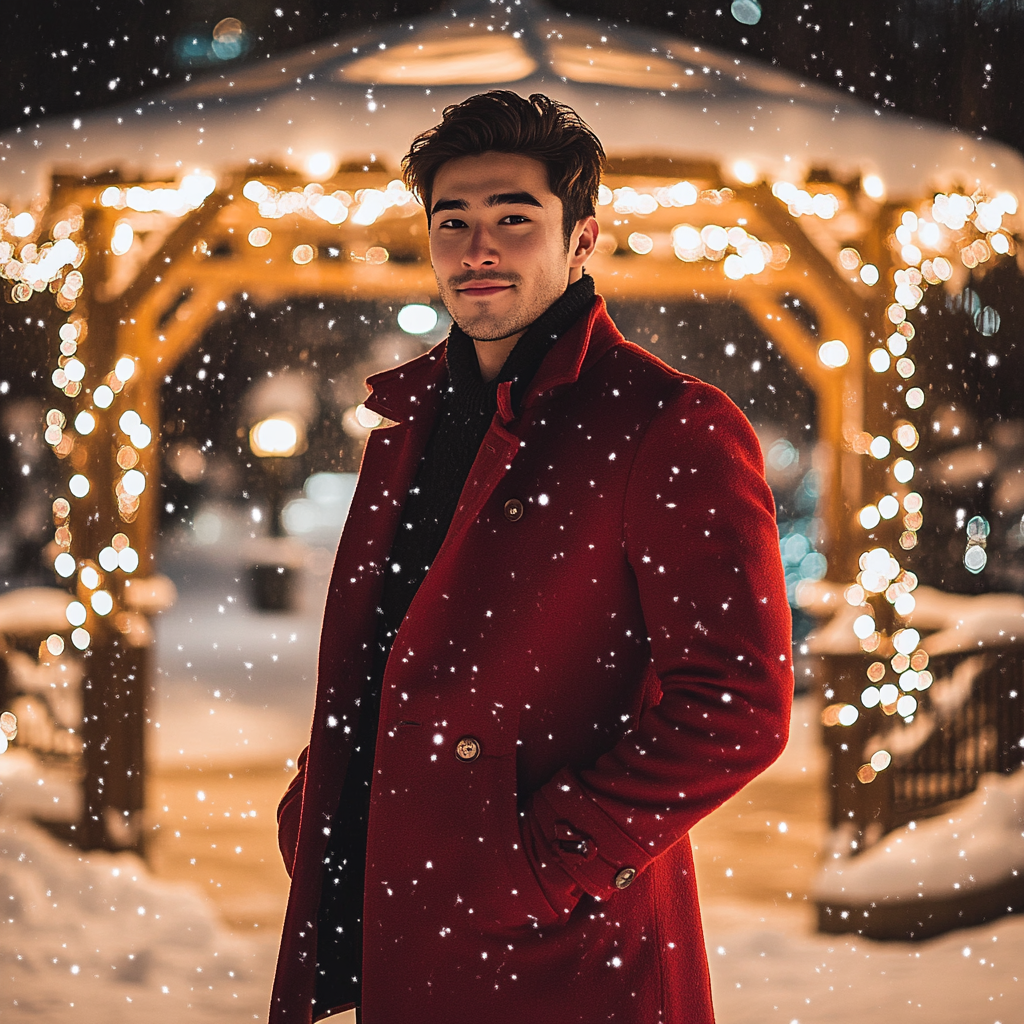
(482, 289)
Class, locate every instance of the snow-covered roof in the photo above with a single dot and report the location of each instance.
(645, 93)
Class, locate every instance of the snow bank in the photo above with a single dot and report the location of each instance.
(771, 968)
(94, 937)
(977, 845)
(30, 789)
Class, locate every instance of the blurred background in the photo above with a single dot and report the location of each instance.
(139, 856)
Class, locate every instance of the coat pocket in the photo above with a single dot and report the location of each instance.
(508, 895)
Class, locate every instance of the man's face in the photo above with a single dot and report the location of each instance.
(496, 243)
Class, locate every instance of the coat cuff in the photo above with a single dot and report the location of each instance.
(589, 846)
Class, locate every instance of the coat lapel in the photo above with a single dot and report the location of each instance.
(397, 392)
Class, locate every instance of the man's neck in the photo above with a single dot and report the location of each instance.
(491, 355)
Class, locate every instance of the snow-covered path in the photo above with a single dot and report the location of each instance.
(100, 938)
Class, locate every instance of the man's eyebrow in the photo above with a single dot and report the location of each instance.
(495, 199)
(512, 199)
(448, 204)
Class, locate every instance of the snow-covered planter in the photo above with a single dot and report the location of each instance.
(958, 869)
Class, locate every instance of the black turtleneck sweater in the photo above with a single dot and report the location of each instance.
(468, 405)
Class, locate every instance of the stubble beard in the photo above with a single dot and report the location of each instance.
(485, 325)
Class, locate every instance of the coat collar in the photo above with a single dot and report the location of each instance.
(415, 385)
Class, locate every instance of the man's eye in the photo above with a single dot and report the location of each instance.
(452, 222)
(515, 218)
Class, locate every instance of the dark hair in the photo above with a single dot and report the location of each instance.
(501, 121)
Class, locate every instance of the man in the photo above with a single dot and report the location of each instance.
(508, 750)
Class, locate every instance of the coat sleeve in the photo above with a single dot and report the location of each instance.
(288, 811)
(701, 537)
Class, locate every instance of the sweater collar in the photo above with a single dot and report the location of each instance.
(472, 393)
(413, 389)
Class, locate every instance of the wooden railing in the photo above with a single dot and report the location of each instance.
(969, 722)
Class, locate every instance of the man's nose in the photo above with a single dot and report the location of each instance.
(481, 251)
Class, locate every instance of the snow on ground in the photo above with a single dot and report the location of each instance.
(95, 938)
(772, 967)
(62, 910)
(977, 843)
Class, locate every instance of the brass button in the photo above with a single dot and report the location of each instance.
(467, 749)
(513, 510)
(624, 879)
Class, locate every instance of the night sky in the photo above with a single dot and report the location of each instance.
(953, 60)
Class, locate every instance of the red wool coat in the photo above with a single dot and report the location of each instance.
(598, 657)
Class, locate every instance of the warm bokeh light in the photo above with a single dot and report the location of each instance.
(873, 186)
(416, 318)
(124, 368)
(320, 166)
(122, 239)
(869, 274)
(879, 360)
(869, 517)
(275, 437)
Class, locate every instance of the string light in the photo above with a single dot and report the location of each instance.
(939, 224)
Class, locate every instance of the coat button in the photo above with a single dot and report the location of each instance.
(467, 749)
(624, 879)
(513, 510)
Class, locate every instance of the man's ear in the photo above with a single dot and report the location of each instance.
(583, 241)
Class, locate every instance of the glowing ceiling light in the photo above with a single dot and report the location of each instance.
(102, 397)
(640, 243)
(79, 485)
(906, 705)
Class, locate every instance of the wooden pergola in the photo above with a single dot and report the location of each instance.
(157, 257)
